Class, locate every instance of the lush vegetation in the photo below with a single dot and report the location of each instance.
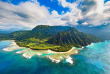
(72, 37)
(56, 38)
(43, 32)
(13, 35)
(36, 44)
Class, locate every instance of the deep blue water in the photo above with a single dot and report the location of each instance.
(94, 59)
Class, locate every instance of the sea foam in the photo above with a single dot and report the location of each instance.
(69, 60)
(6, 49)
(26, 56)
(28, 53)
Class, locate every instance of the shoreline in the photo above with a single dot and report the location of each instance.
(51, 50)
(52, 55)
(61, 52)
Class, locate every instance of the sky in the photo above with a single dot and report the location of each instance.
(24, 14)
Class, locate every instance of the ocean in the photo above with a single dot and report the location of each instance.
(93, 59)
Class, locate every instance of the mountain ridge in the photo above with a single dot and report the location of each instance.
(56, 38)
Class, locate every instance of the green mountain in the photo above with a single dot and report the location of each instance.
(56, 38)
(13, 35)
(43, 31)
(72, 37)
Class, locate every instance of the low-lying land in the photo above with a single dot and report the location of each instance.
(52, 55)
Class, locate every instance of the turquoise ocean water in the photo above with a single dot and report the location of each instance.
(94, 59)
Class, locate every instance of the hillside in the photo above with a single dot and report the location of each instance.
(72, 37)
(56, 38)
(42, 32)
(99, 31)
(13, 35)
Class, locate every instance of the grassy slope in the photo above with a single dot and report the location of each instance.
(36, 44)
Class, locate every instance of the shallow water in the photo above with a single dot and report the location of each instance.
(93, 59)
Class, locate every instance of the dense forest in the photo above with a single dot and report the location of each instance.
(72, 37)
(56, 38)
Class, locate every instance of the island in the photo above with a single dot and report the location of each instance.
(54, 42)
(55, 38)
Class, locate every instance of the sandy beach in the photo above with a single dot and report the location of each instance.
(52, 55)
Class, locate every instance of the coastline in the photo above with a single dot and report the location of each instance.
(12, 46)
(61, 52)
(77, 61)
(52, 55)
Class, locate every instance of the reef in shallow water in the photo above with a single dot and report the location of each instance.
(54, 56)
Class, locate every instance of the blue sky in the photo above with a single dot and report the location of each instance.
(29, 13)
(53, 5)
(106, 1)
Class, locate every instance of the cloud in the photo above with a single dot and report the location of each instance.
(95, 12)
(90, 12)
(72, 16)
(62, 12)
(71, 6)
(85, 23)
(26, 14)
(55, 13)
(30, 14)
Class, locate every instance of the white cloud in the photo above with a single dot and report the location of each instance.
(30, 14)
(55, 13)
(73, 15)
(95, 12)
(62, 12)
(85, 23)
(26, 14)
(71, 6)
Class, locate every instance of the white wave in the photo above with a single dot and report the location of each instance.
(18, 52)
(69, 60)
(39, 54)
(82, 47)
(26, 56)
(54, 60)
(57, 61)
(6, 49)
(89, 44)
